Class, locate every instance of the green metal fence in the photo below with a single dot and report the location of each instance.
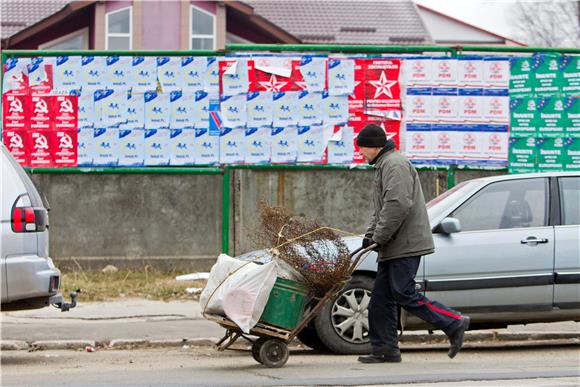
(225, 170)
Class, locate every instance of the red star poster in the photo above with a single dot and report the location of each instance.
(275, 74)
(391, 127)
(357, 99)
(382, 88)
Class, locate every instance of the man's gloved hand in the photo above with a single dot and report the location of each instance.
(367, 241)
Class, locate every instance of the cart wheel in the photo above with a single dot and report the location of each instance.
(274, 353)
(256, 349)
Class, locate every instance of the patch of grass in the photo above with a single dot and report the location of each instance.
(146, 283)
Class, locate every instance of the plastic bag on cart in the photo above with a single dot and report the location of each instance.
(238, 290)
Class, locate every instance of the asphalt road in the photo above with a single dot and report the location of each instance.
(529, 366)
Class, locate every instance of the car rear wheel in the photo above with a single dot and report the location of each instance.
(309, 337)
(342, 324)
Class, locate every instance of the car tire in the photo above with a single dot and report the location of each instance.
(309, 337)
(348, 341)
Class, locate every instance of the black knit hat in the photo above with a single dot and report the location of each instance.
(372, 136)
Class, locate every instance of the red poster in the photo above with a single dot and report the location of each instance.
(40, 112)
(40, 149)
(392, 129)
(357, 99)
(15, 141)
(65, 109)
(15, 112)
(382, 88)
(261, 80)
(64, 147)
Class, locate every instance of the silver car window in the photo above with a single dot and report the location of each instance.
(504, 205)
(570, 200)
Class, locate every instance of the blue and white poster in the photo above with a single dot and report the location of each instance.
(313, 70)
(93, 72)
(257, 145)
(232, 145)
(182, 106)
(135, 111)
(259, 109)
(110, 107)
(340, 76)
(86, 147)
(192, 71)
(211, 78)
(131, 147)
(200, 110)
(106, 143)
(169, 73)
(157, 150)
(182, 145)
(310, 108)
(341, 146)
(117, 72)
(312, 142)
(285, 109)
(86, 108)
(207, 147)
(157, 110)
(335, 109)
(233, 111)
(67, 74)
(284, 144)
(144, 74)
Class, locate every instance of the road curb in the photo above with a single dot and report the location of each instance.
(409, 341)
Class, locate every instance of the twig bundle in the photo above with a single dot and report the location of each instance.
(316, 252)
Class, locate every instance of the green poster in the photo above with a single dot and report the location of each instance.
(572, 116)
(572, 154)
(550, 117)
(523, 117)
(547, 77)
(550, 154)
(570, 66)
(521, 77)
(522, 155)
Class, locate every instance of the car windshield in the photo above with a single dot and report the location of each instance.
(439, 204)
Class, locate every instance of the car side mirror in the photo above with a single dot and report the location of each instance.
(448, 226)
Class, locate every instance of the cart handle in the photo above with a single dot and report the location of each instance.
(357, 255)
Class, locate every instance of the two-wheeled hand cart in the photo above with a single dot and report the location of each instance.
(271, 346)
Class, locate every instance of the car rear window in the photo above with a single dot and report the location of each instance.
(36, 199)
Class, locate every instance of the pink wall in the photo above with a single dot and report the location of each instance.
(208, 6)
(160, 25)
(115, 5)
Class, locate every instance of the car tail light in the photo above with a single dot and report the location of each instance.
(54, 283)
(28, 219)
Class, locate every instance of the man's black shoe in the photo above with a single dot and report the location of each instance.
(456, 338)
(373, 359)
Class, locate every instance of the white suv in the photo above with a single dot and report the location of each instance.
(29, 279)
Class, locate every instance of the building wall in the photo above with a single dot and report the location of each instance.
(160, 25)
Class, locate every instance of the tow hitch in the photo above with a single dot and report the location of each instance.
(59, 302)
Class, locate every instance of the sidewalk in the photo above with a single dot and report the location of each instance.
(139, 322)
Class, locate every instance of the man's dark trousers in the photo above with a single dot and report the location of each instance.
(395, 284)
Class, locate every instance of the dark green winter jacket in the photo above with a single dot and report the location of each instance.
(400, 223)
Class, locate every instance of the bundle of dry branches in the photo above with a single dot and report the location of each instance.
(316, 252)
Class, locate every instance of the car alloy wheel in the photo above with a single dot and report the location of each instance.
(349, 315)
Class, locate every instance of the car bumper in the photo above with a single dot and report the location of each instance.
(31, 277)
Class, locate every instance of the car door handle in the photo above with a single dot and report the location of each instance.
(533, 240)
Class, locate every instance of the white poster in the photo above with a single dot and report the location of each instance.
(496, 106)
(285, 109)
(340, 76)
(232, 145)
(207, 147)
(192, 71)
(495, 143)
(257, 145)
(444, 71)
(182, 105)
(85, 147)
(86, 108)
(106, 143)
(445, 104)
(233, 111)
(143, 74)
(157, 147)
(470, 105)
(182, 145)
(157, 110)
(446, 142)
(418, 104)
(15, 80)
(235, 77)
(335, 109)
(496, 71)
(284, 144)
(417, 71)
(135, 111)
(259, 109)
(418, 142)
(200, 110)
(470, 71)
(110, 107)
(169, 73)
(67, 74)
(211, 77)
(310, 108)
(341, 146)
(93, 72)
(313, 70)
(131, 147)
(118, 72)
(311, 142)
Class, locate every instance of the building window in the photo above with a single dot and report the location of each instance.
(119, 29)
(202, 29)
(78, 40)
